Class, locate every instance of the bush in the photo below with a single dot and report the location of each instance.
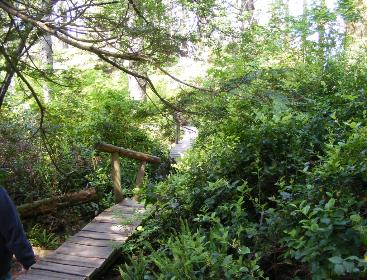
(198, 255)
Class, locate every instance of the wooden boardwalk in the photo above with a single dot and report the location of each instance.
(86, 253)
(188, 139)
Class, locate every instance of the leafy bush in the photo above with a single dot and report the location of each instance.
(197, 256)
(280, 168)
(41, 238)
(93, 107)
(326, 239)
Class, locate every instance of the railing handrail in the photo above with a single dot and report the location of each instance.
(108, 148)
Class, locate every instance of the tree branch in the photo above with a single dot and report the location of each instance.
(29, 86)
(10, 72)
(182, 82)
(54, 31)
(137, 11)
(149, 81)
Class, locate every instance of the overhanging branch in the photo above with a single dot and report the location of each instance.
(29, 86)
(75, 43)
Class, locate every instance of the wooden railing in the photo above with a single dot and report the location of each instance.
(116, 152)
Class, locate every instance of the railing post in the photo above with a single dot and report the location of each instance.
(178, 132)
(116, 177)
(116, 152)
(140, 174)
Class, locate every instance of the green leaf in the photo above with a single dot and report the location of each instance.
(244, 250)
(339, 269)
(336, 260)
(227, 260)
(330, 204)
(355, 218)
(314, 227)
(306, 209)
(244, 269)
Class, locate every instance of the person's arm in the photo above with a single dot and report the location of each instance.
(12, 231)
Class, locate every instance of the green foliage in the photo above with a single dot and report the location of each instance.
(196, 256)
(326, 239)
(40, 237)
(346, 163)
(94, 107)
(275, 187)
(279, 166)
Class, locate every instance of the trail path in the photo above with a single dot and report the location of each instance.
(187, 141)
(86, 253)
(90, 250)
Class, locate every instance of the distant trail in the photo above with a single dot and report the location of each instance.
(188, 139)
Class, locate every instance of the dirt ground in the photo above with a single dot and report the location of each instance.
(17, 269)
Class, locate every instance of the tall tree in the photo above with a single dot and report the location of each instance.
(354, 14)
(246, 6)
(46, 47)
(19, 34)
(321, 29)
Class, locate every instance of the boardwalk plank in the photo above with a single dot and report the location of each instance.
(112, 217)
(85, 251)
(90, 242)
(130, 203)
(64, 268)
(105, 236)
(37, 274)
(125, 209)
(124, 230)
(187, 141)
(75, 260)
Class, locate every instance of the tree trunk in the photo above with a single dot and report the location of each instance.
(137, 87)
(46, 50)
(322, 35)
(304, 31)
(355, 32)
(246, 6)
(10, 72)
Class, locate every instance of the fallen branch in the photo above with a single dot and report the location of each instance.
(49, 205)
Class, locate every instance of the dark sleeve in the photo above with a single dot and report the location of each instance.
(12, 231)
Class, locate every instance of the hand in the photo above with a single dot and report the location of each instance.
(19, 273)
(23, 271)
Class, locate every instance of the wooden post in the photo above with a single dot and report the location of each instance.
(140, 174)
(178, 132)
(115, 164)
(140, 177)
(116, 177)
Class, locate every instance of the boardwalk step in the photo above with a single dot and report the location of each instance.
(106, 236)
(36, 274)
(75, 260)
